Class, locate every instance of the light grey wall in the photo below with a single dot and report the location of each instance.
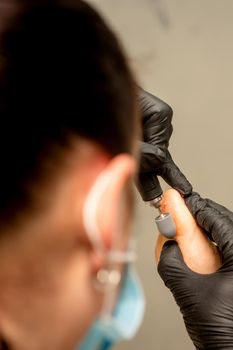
(181, 50)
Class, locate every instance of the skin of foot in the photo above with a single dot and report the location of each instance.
(199, 253)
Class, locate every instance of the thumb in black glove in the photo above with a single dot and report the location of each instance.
(205, 300)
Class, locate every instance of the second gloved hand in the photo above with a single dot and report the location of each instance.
(205, 300)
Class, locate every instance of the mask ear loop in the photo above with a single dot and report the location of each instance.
(104, 276)
(107, 280)
(91, 224)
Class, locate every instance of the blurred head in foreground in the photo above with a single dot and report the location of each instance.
(68, 116)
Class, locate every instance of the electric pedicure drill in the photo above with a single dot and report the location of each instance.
(164, 221)
(150, 190)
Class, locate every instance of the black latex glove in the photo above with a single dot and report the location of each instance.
(206, 301)
(155, 157)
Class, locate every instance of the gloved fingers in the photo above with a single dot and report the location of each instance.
(157, 117)
(221, 209)
(172, 268)
(195, 202)
(214, 220)
(175, 178)
(152, 158)
(155, 135)
(148, 186)
(158, 161)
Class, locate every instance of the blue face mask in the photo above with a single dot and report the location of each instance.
(125, 320)
(122, 311)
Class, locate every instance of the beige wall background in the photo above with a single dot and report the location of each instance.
(182, 51)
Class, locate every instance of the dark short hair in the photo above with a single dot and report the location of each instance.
(62, 73)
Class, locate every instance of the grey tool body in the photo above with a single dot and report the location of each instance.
(166, 225)
(164, 221)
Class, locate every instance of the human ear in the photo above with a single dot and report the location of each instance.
(113, 211)
(105, 209)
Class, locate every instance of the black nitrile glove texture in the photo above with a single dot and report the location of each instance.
(206, 301)
(155, 157)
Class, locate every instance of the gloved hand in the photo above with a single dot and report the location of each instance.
(206, 301)
(155, 157)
